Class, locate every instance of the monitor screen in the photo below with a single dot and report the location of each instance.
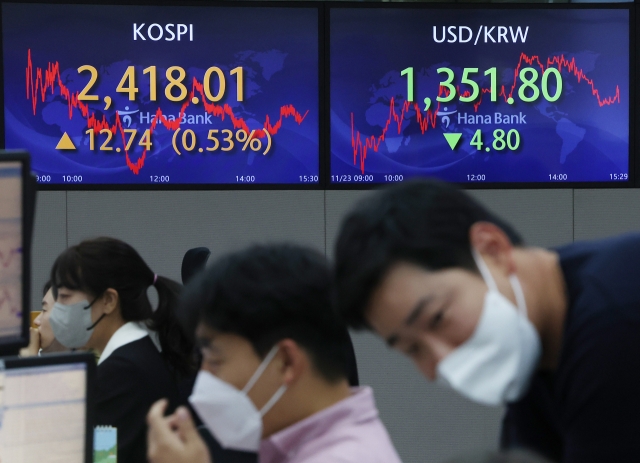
(43, 410)
(480, 95)
(161, 96)
(11, 259)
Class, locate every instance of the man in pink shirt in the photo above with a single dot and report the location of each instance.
(274, 370)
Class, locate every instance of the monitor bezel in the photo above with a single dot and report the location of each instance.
(634, 166)
(322, 144)
(63, 359)
(12, 346)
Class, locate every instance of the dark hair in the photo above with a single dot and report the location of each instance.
(513, 456)
(93, 266)
(46, 288)
(268, 293)
(194, 261)
(423, 222)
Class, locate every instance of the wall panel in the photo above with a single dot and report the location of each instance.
(49, 239)
(543, 217)
(601, 213)
(163, 225)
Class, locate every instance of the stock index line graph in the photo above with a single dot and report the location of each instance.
(48, 78)
(8, 257)
(7, 304)
(428, 119)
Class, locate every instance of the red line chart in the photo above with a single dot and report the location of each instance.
(8, 257)
(7, 303)
(48, 79)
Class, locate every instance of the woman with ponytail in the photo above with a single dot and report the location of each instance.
(100, 287)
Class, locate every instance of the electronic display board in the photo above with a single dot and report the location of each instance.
(163, 95)
(477, 95)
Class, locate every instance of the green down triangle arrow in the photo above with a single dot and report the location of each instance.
(453, 139)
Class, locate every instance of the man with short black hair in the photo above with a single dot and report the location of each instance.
(274, 369)
(554, 334)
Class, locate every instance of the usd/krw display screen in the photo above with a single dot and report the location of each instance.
(163, 95)
(479, 95)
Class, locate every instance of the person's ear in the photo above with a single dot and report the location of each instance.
(292, 361)
(493, 244)
(110, 300)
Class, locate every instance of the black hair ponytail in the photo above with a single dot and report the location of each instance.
(177, 348)
(93, 266)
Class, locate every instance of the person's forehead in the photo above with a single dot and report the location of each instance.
(396, 296)
(402, 284)
(406, 279)
(48, 297)
(207, 336)
(407, 291)
(205, 331)
(406, 273)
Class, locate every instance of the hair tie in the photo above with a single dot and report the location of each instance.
(155, 278)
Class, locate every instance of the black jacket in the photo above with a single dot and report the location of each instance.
(128, 382)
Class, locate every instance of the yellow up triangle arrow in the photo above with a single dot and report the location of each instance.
(65, 143)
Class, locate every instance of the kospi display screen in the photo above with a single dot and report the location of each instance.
(480, 95)
(163, 95)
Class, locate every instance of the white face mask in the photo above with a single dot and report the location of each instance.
(228, 413)
(71, 324)
(495, 364)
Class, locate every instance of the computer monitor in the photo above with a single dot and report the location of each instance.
(44, 415)
(15, 212)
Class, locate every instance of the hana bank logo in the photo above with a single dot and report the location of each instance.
(444, 115)
(126, 115)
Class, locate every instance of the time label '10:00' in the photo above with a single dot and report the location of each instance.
(46, 178)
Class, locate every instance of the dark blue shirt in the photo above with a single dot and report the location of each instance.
(588, 409)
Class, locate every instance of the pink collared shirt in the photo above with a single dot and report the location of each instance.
(349, 431)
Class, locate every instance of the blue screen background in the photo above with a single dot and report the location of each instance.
(277, 47)
(573, 139)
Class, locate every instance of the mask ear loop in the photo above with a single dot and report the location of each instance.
(263, 366)
(517, 291)
(272, 401)
(491, 283)
(484, 270)
(93, 325)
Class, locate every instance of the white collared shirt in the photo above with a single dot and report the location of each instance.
(128, 333)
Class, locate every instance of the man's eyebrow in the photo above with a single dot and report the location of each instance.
(411, 318)
(417, 310)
